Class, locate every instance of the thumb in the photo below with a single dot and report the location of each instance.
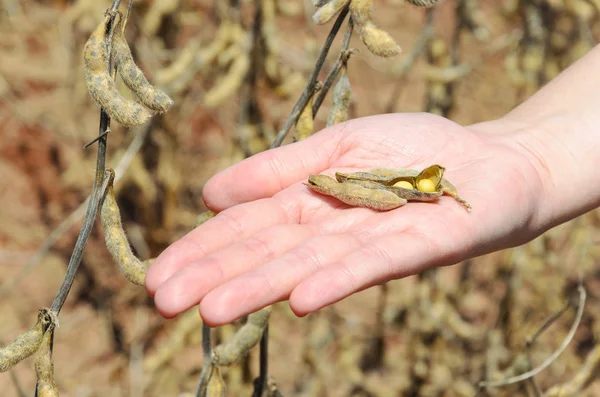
(269, 172)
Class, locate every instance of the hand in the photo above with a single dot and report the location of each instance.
(275, 239)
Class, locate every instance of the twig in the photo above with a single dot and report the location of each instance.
(335, 70)
(100, 185)
(549, 360)
(310, 86)
(260, 383)
(207, 363)
(546, 325)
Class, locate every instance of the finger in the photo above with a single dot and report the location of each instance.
(266, 173)
(375, 262)
(275, 280)
(189, 285)
(226, 228)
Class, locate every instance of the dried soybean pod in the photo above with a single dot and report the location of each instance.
(216, 385)
(203, 217)
(271, 64)
(342, 96)
(44, 367)
(361, 11)
(116, 240)
(133, 77)
(581, 8)
(244, 339)
(422, 3)
(155, 14)
(231, 82)
(320, 3)
(102, 87)
(27, 343)
(470, 16)
(305, 126)
(384, 176)
(513, 69)
(328, 11)
(354, 194)
(403, 190)
(449, 189)
(378, 41)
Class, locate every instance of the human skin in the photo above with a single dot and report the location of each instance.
(275, 239)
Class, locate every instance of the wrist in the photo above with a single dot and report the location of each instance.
(564, 152)
(558, 157)
(556, 132)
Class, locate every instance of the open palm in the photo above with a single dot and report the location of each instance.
(275, 239)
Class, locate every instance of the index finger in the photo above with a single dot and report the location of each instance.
(267, 173)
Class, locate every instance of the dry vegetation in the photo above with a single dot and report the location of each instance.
(234, 75)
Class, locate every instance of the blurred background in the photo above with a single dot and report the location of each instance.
(436, 334)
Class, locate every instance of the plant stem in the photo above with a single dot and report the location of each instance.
(310, 86)
(92, 208)
(207, 364)
(260, 383)
(335, 70)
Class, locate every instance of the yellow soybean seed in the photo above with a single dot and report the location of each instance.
(27, 343)
(426, 185)
(116, 240)
(405, 185)
(102, 87)
(44, 367)
(430, 179)
(244, 339)
(133, 77)
(328, 11)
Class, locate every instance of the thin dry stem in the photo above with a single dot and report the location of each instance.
(310, 86)
(260, 383)
(207, 362)
(553, 356)
(335, 70)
